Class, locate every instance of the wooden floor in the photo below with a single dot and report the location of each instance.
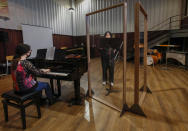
(166, 108)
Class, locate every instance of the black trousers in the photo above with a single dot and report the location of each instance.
(107, 65)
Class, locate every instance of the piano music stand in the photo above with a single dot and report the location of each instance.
(114, 43)
(41, 54)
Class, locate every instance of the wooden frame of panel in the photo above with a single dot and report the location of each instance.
(124, 5)
(136, 106)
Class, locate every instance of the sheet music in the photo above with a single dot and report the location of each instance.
(50, 53)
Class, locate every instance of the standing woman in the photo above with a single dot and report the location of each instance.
(107, 60)
(23, 73)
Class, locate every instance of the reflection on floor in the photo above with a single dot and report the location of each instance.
(166, 108)
(115, 98)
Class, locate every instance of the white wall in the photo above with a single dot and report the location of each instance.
(158, 11)
(47, 13)
(54, 14)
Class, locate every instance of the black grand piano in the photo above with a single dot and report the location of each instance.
(66, 64)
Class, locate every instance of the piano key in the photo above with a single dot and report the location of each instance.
(57, 74)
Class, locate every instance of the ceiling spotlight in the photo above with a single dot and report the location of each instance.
(71, 9)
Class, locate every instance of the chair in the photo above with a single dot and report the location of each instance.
(19, 101)
(8, 62)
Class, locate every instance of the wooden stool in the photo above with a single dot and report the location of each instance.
(17, 101)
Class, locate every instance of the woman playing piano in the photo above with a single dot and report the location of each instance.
(23, 73)
(107, 59)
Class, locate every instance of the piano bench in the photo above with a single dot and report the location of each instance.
(19, 101)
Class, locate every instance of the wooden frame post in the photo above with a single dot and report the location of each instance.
(145, 87)
(88, 54)
(136, 53)
(125, 106)
(136, 107)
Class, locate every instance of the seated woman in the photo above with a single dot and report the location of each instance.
(23, 73)
(107, 60)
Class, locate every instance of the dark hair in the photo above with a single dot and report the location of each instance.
(107, 33)
(20, 50)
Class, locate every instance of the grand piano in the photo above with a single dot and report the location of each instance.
(67, 64)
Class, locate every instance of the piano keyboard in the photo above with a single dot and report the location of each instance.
(57, 74)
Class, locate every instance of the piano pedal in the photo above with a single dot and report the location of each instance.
(56, 95)
(75, 102)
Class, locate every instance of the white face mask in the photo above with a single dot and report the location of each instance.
(29, 53)
(108, 35)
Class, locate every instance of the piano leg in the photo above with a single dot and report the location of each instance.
(77, 89)
(77, 100)
(59, 88)
(52, 86)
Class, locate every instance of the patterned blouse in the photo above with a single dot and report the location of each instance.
(23, 80)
